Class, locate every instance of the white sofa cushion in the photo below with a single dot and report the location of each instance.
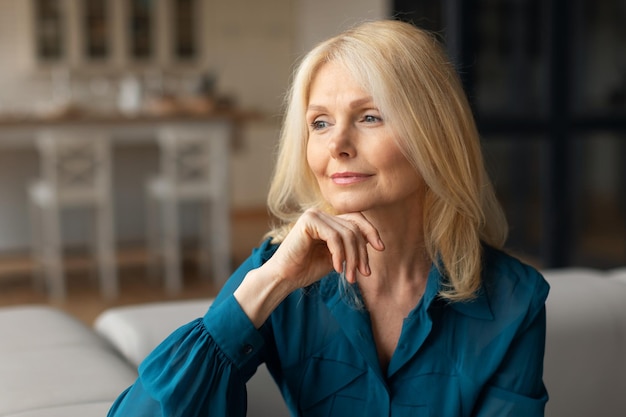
(57, 377)
(98, 409)
(39, 327)
(585, 360)
(618, 274)
(136, 330)
(48, 359)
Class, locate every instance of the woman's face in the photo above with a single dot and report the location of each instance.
(351, 150)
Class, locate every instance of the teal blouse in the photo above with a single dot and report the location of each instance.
(479, 358)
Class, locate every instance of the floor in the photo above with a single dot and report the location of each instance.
(84, 300)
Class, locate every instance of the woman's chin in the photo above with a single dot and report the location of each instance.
(348, 208)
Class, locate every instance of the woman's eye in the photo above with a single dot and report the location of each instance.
(319, 124)
(371, 119)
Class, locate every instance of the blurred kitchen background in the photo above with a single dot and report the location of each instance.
(546, 78)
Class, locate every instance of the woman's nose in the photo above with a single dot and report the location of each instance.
(341, 142)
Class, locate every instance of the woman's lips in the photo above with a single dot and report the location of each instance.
(346, 178)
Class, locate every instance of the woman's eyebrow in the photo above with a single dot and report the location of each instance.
(360, 102)
(315, 107)
(354, 104)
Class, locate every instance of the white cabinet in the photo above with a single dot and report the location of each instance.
(115, 34)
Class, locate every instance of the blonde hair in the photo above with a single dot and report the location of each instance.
(419, 95)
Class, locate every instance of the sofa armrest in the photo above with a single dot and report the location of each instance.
(52, 364)
(136, 330)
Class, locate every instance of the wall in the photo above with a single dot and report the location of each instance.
(252, 46)
(319, 19)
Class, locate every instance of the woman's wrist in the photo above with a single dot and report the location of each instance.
(260, 293)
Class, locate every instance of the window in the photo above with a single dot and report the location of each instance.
(185, 38)
(96, 26)
(49, 24)
(141, 32)
(547, 82)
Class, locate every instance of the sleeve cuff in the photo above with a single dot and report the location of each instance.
(233, 332)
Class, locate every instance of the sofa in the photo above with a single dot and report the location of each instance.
(52, 365)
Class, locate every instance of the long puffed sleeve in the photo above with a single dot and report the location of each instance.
(201, 369)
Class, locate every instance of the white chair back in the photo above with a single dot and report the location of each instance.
(193, 162)
(77, 166)
(194, 170)
(75, 173)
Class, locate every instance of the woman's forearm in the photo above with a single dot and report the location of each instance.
(260, 293)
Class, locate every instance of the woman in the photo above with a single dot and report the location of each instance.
(383, 290)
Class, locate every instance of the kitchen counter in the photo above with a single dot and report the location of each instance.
(19, 131)
(135, 159)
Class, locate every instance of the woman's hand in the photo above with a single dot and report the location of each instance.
(317, 244)
(320, 242)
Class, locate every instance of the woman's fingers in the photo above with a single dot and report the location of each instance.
(346, 237)
(366, 233)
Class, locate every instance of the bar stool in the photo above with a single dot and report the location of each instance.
(75, 173)
(194, 169)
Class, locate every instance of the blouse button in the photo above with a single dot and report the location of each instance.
(247, 349)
